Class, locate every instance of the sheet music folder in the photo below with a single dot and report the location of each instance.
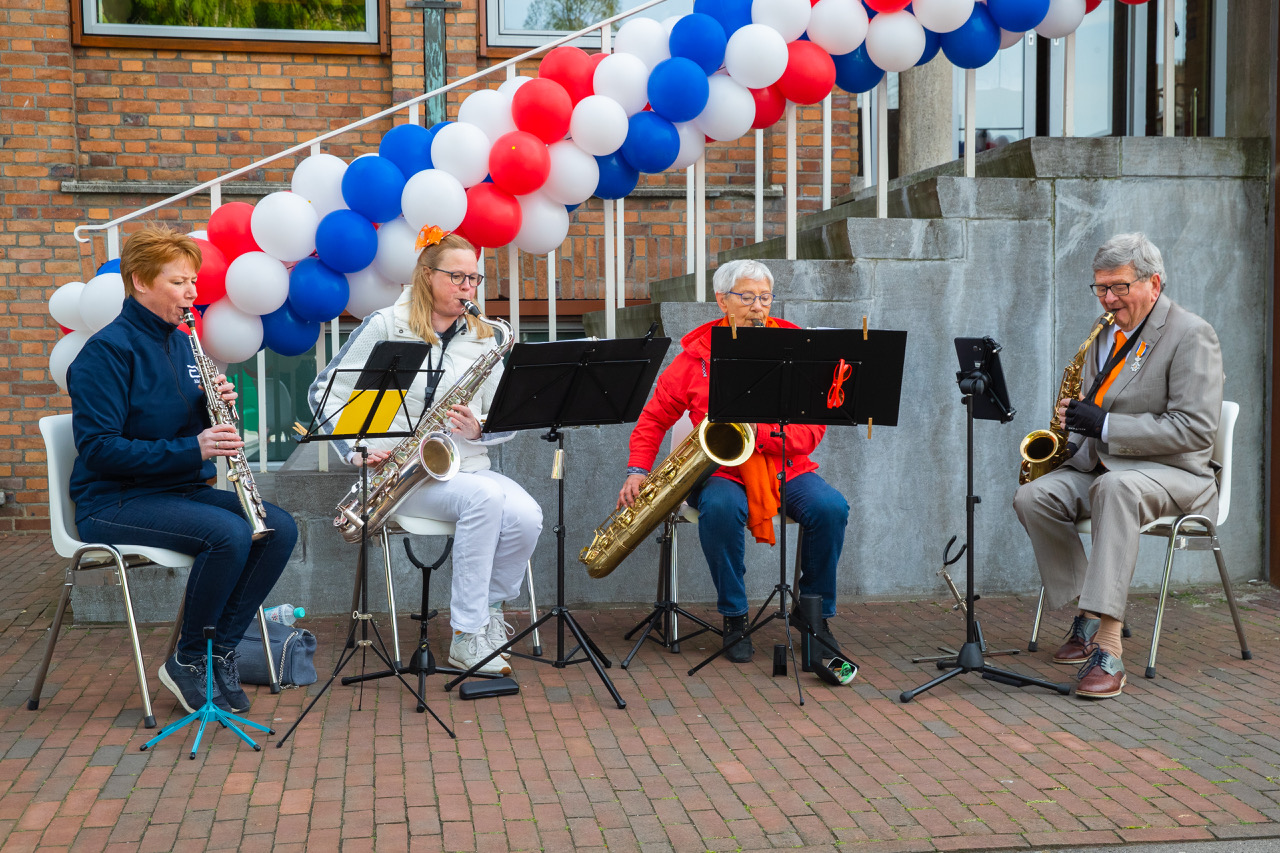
(380, 391)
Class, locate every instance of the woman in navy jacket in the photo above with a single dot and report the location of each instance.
(146, 454)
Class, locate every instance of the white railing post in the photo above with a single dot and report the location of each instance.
(690, 228)
(263, 431)
(700, 229)
(322, 447)
(826, 152)
(882, 148)
(866, 152)
(1170, 76)
(791, 181)
(610, 294)
(621, 256)
(1069, 85)
(113, 242)
(970, 134)
(759, 185)
(551, 296)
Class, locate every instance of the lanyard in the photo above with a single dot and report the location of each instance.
(1116, 358)
(433, 379)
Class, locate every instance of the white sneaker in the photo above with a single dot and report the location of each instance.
(467, 650)
(499, 630)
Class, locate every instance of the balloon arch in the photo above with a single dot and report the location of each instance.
(520, 157)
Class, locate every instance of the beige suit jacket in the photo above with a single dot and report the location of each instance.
(1163, 408)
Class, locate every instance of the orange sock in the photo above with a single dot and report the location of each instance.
(1109, 637)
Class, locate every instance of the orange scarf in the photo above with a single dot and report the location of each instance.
(761, 482)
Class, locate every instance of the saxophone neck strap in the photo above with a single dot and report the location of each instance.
(1117, 357)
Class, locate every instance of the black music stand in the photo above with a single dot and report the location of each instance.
(786, 376)
(562, 384)
(981, 381)
(390, 368)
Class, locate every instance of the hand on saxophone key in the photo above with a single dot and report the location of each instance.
(219, 440)
(375, 457)
(464, 422)
(630, 490)
(226, 390)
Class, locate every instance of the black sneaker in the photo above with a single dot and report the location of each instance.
(187, 681)
(226, 679)
(739, 649)
(823, 632)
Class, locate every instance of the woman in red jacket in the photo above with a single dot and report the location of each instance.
(744, 291)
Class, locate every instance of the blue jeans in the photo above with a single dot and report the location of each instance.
(822, 513)
(231, 576)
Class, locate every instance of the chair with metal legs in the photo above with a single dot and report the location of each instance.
(1186, 532)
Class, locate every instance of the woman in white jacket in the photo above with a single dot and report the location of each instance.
(497, 521)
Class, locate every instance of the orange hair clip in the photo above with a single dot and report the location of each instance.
(429, 236)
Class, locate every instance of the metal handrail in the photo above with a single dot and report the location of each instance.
(218, 181)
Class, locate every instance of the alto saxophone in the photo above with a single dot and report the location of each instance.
(1046, 449)
(662, 491)
(222, 412)
(430, 453)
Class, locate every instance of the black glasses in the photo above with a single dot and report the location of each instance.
(458, 278)
(749, 299)
(1120, 288)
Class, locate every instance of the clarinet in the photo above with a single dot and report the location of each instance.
(222, 412)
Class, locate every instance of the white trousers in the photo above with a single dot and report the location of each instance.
(497, 528)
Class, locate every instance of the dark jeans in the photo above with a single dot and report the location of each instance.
(232, 574)
(722, 518)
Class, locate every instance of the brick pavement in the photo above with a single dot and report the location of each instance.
(722, 761)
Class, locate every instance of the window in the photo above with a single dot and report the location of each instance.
(340, 22)
(529, 23)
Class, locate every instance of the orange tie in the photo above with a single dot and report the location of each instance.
(1115, 371)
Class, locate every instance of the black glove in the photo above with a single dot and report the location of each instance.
(1085, 418)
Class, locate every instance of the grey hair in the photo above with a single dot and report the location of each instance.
(1124, 249)
(727, 274)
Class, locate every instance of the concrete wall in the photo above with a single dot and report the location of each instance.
(1006, 257)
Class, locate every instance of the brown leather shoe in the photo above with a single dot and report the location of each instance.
(1075, 651)
(1102, 676)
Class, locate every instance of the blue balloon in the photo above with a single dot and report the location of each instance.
(975, 43)
(732, 14)
(346, 241)
(652, 142)
(678, 89)
(112, 265)
(699, 38)
(372, 186)
(409, 147)
(855, 72)
(1017, 16)
(283, 331)
(317, 293)
(617, 177)
(931, 47)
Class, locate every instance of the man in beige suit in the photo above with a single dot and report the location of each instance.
(1151, 397)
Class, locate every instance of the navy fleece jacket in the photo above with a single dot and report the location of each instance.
(136, 410)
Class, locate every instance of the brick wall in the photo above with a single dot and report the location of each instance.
(183, 116)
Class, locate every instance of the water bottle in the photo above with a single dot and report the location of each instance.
(285, 614)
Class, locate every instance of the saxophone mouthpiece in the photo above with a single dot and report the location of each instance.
(472, 308)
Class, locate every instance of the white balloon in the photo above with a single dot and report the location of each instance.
(101, 300)
(692, 145)
(433, 197)
(838, 26)
(257, 284)
(228, 334)
(369, 292)
(1008, 39)
(544, 223)
(756, 56)
(645, 38)
(284, 225)
(789, 17)
(730, 109)
(199, 235)
(509, 87)
(63, 353)
(598, 125)
(669, 24)
(462, 150)
(396, 256)
(489, 110)
(1063, 18)
(942, 16)
(64, 305)
(574, 173)
(625, 78)
(318, 179)
(895, 40)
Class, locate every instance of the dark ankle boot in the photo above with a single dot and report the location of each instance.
(739, 647)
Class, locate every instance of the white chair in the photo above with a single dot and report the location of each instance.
(107, 567)
(1188, 532)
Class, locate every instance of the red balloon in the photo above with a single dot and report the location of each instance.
(229, 230)
(1090, 5)
(888, 5)
(65, 330)
(211, 278)
(519, 162)
(493, 216)
(542, 107)
(1126, 2)
(571, 68)
(770, 105)
(810, 73)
